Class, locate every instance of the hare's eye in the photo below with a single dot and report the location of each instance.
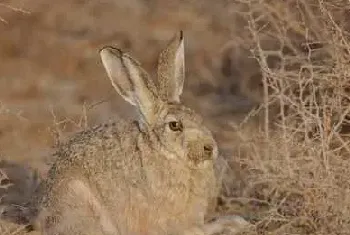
(175, 126)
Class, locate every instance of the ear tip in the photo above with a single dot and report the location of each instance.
(110, 50)
(181, 34)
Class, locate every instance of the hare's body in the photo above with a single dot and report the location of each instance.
(150, 176)
(137, 190)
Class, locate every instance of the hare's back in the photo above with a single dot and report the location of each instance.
(96, 150)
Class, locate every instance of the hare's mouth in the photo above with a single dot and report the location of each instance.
(199, 159)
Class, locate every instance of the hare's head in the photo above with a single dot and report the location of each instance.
(179, 131)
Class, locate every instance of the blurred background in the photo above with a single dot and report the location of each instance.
(52, 80)
(270, 78)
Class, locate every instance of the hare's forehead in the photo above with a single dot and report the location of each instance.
(180, 112)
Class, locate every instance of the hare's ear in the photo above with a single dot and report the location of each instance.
(130, 81)
(171, 69)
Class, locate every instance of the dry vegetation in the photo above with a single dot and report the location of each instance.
(289, 60)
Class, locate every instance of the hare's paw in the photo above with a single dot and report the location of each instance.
(230, 224)
(221, 225)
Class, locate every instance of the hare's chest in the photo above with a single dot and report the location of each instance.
(170, 188)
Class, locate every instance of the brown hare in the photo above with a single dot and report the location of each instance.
(155, 175)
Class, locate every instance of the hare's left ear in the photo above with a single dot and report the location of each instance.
(130, 81)
(171, 69)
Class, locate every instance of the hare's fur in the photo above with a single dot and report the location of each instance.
(155, 175)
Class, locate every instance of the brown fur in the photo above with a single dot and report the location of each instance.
(136, 177)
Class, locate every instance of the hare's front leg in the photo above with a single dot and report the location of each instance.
(231, 224)
(76, 210)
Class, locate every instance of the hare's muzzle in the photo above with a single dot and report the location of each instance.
(199, 152)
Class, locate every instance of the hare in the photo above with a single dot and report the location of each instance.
(156, 175)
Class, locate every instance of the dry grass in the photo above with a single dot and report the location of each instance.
(298, 170)
(290, 156)
(11, 8)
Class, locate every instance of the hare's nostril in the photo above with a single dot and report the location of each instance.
(208, 148)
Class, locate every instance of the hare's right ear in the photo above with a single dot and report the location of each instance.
(130, 81)
(171, 69)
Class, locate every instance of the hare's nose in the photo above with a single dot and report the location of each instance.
(208, 149)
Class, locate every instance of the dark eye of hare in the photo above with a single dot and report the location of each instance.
(175, 126)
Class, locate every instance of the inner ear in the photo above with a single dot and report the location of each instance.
(131, 81)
